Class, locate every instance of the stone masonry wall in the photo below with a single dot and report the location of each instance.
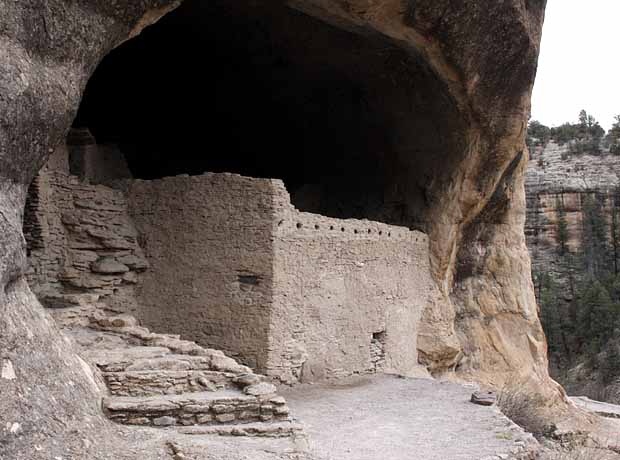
(234, 266)
(208, 242)
(82, 244)
(347, 296)
(227, 261)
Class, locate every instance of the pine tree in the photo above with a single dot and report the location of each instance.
(595, 316)
(562, 227)
(594, 239)
(613, 137)
(550, 312)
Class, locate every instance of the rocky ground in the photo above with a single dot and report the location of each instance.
(168, 398)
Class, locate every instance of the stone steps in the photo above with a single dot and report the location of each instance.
(201, 408)
(117, 360)
(143, 358)
(160, 380)
(266, 430)
(166, 382)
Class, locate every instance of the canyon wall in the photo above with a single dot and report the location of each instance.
(558, 181)
(565, 194)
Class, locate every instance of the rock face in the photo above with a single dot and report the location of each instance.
(557, 181)
(480, 59)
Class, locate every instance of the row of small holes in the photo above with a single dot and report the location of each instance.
(342, 229)
(331, 227)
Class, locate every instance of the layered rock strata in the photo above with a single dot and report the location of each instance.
(558, 185)
(558, 180)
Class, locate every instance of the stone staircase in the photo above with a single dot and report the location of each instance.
(160, 380)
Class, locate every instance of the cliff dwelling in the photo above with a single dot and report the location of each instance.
(231, 208)
(257, 198)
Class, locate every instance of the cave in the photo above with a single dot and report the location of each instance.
(355, 126)
(424, 102)
(258, 181)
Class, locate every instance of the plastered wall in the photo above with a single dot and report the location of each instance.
(347, 296)
(208, 240)
(227, 261)
(296, 295)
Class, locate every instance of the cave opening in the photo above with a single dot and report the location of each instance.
(353, 125)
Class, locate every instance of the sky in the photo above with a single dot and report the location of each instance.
(579, 65)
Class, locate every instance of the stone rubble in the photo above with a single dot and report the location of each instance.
(161, 380)
(484, 398)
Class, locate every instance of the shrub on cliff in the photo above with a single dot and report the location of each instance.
(583, 137)
(613, 137)
(537, 133)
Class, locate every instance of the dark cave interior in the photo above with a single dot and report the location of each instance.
(354, 126)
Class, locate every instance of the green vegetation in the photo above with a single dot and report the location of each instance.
(580, 296)
(580, 301)
(613, 137)
(584, 137)
(562, 227)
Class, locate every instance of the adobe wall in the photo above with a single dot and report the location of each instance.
(234, 266)
(347, 296)
(208, 241)
(227, 261)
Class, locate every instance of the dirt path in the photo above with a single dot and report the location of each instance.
(385, 418)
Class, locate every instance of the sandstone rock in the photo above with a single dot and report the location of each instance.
(133, 262)
(225, 418)
(204, 419)
(281, 410)
(223, 408)
(207, 384)
(118, 321)
(8, 372)
(260, 389)
(164, 421)
(245, 380)
(57, 300)
(119, 404)
(226, 364)
(278, 401)
(109, 266)
(484, 398)
(130, 278)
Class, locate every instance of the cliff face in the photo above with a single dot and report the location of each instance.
(559, 187)
(479, 56)
(557, 182)
(556, 179)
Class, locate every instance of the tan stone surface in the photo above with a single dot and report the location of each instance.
(482, 53)
(289, 293)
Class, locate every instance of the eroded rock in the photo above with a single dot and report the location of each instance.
(109, 266)
(479, 58)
